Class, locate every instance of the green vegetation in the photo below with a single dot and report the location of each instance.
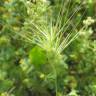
(47, 48)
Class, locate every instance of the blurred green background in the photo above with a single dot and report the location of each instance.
(20, 77)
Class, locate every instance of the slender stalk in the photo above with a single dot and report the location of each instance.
(55, 72)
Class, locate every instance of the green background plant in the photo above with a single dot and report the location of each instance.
(28, 70)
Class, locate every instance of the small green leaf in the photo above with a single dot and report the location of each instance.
(37, 56)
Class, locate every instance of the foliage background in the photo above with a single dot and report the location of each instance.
(20, 77)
